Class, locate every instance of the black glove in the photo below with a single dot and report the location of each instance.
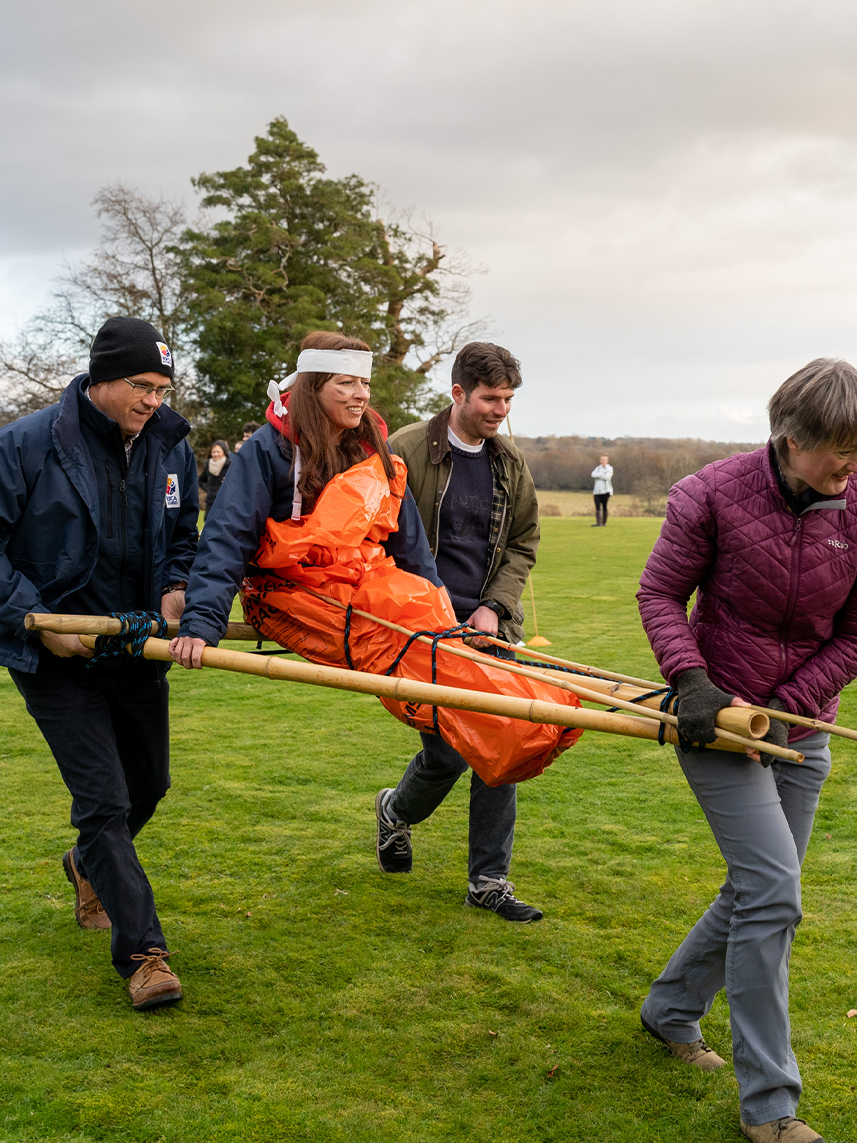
(779, 732)
(699, 700)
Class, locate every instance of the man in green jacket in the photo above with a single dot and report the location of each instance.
(478, 504)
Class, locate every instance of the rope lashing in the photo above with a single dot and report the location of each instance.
(347, 636)
(641, 698)
(451, 633)
(136, 629)
(684, 744)
(669, 694)
(543, 666)
(460, 631)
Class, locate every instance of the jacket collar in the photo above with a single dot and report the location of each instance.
(806, 501)
(438, 439)
(166, 425)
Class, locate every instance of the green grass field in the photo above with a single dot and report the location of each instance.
(553, 502)
(325, 1001)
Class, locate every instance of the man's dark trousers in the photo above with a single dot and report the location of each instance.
(108, 729)
(430, 776)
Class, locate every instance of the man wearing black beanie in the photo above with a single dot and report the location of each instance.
(98, 513)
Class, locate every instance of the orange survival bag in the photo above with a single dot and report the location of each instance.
(336, 550)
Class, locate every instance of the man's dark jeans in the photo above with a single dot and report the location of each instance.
(108, 730)
(430, 776)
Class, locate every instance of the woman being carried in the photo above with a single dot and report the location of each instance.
(317, 507)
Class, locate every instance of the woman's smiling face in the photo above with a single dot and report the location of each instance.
(344, 399)
(826, 470)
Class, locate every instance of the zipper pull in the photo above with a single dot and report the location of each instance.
(122, 487)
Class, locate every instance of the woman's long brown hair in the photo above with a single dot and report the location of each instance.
(323, 452)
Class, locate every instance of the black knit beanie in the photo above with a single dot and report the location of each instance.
(127, 346)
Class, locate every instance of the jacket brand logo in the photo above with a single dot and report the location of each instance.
(837, 544)
(173, 499)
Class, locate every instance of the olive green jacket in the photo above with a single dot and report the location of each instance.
(514, 531)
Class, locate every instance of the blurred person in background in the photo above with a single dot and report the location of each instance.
(602, 474)
(214, 473)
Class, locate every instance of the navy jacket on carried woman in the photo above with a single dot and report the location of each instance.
(52, 522)
(261, 485)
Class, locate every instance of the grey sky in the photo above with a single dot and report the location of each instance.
(664, 194)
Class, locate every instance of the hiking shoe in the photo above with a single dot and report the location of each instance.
(697, 1054)
(154, 982)
(786, 1130)
(496, 894)
(393, 846)
(87, 908)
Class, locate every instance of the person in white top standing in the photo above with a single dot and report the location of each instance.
(602, 474)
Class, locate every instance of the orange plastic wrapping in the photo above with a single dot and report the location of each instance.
(337, 550)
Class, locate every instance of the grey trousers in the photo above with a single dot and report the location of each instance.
(430, 776)
(762, 820)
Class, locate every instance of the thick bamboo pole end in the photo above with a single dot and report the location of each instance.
(743, 720)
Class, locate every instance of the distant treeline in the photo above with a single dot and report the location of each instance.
(644, 466)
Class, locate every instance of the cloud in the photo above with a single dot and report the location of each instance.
(667, 188)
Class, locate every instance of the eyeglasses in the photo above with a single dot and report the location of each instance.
(161, 392)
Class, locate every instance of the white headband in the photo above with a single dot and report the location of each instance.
(349, 362)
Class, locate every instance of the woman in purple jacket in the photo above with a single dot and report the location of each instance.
(768, 540)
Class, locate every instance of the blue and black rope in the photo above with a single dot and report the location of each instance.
(460, 631)
(136, 629)
(669, 693)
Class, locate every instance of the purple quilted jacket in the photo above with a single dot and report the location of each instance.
(776, 604)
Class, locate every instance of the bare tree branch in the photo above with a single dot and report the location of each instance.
(134, 271)
(429, 295)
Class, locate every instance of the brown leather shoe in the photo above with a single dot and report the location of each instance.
(786, 1130)
(154, 982)
(697, 1054)
(87, 908)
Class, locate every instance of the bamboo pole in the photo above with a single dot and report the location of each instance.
(732, 721)
(580, 668)
(810, 723)
(741, 721)
(409, 690)
(106, 625)
(646, 684)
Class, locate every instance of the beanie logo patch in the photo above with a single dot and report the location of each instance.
(173, 499)
(166, 356)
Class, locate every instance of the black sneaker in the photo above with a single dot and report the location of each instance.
(394, 840)
(497, 895)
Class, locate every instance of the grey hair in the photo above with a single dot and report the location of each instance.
(816, 407)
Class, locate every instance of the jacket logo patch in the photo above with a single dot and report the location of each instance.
(173, 499)
(837, 544)
(166, 356)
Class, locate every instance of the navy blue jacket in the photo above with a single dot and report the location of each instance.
(49, 515)
(260, 485)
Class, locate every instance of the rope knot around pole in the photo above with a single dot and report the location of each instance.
(460, 631)
(136, 629)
